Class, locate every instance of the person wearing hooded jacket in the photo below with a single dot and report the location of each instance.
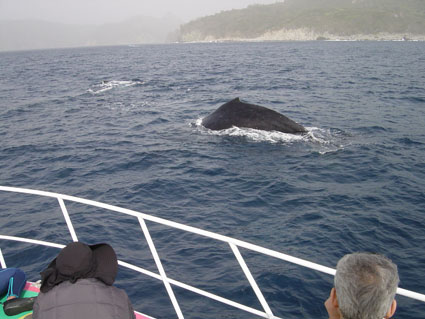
(78, 284)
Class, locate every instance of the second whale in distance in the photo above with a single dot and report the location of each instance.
(240, 114)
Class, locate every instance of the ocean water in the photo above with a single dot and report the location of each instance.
(121, 125)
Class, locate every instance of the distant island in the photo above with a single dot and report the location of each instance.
(313, 20)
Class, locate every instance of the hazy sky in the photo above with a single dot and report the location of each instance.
(102, 11)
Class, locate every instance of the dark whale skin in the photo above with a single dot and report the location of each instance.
(240, 114)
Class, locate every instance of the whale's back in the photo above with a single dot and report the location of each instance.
(240, 114)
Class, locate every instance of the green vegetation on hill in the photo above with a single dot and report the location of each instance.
(338, 18)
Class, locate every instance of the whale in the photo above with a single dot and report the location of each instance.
(245, 115)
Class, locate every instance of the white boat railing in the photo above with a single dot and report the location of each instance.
(234, 244)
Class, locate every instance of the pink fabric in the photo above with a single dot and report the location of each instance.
(29, 286)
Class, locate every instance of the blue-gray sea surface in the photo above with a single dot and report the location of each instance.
(121, 125)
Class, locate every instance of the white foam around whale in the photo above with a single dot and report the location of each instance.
(318, 139)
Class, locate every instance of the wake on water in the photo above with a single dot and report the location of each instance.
(109, 85)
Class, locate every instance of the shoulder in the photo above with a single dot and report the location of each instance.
(81, 286)
(92, 286)
(84, 291)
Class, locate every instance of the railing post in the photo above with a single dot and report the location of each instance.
(67, 219)
(251, 280)
(2, 261)
(160, 268)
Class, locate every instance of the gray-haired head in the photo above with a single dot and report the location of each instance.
(365, 285)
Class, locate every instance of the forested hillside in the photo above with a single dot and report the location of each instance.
(312, 19)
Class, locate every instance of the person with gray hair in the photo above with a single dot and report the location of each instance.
(364, 288)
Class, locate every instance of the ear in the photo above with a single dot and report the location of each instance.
(334, 298)
(331, 305)
(393, 307)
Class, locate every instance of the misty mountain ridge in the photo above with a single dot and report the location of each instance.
(37, 34)
(283, 20)
(312, 20)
